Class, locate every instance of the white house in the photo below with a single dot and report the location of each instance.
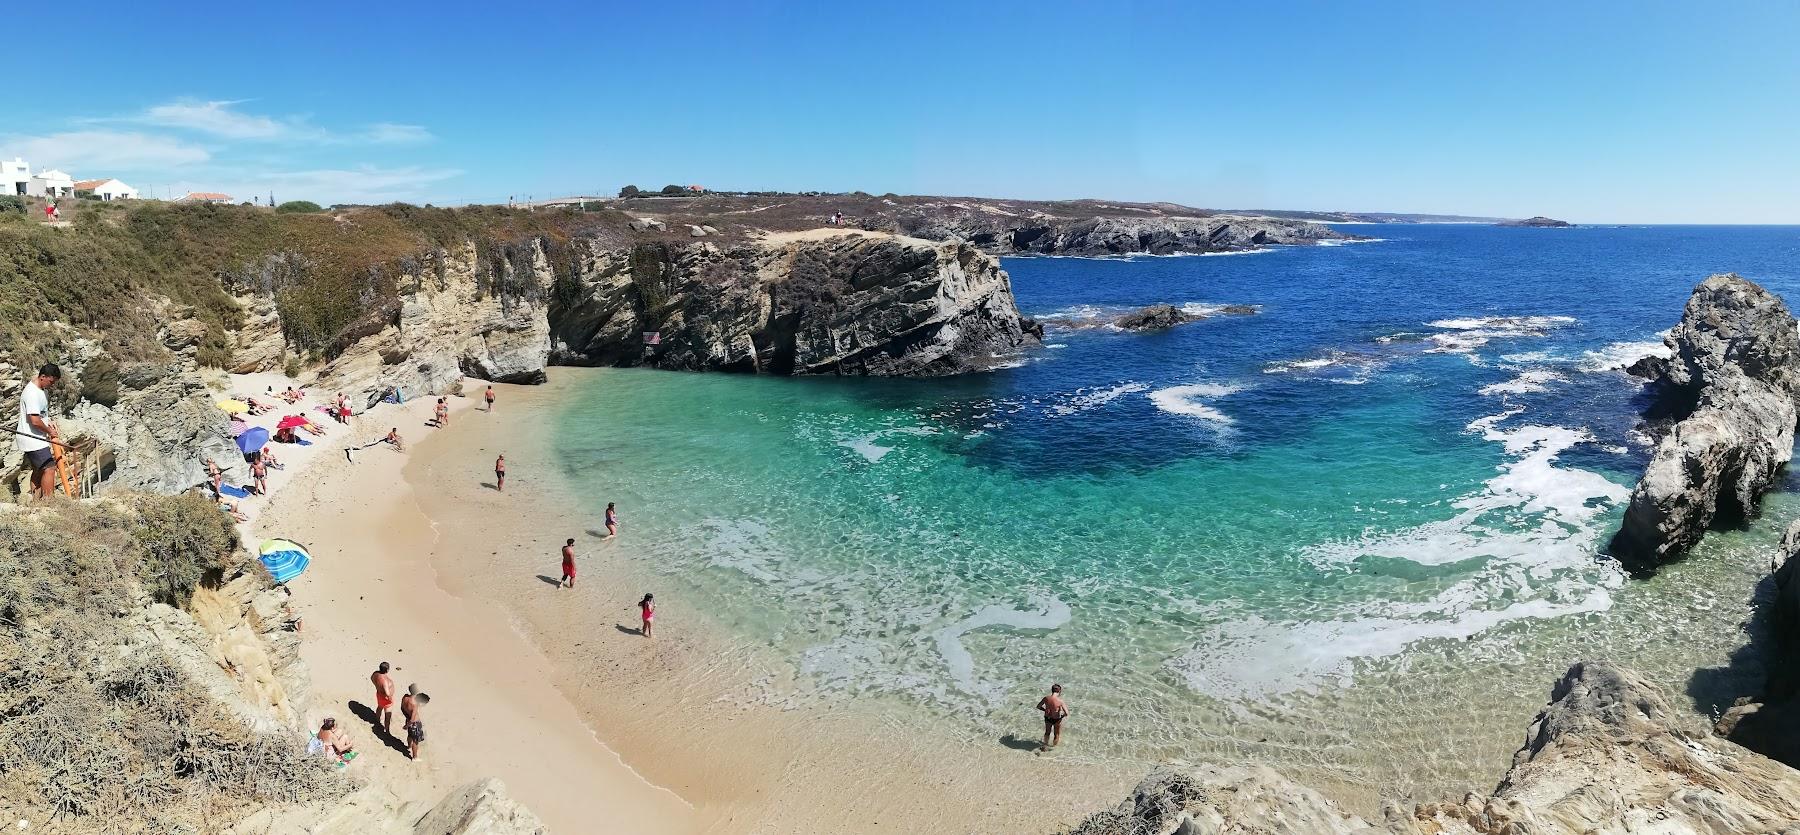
(52, 183)
(206, 197)
(107, 189)
(15, 177)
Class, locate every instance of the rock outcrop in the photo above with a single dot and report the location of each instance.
(826, 303)
(1769, 722)
(1156, 317)
(1538, 221)
(1007, 235)
(1607, 755)
(479, 808)
(1731, 384)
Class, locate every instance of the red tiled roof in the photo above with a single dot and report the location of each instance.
(90, 185)
(206, 195)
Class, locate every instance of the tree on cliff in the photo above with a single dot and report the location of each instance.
(629, 191)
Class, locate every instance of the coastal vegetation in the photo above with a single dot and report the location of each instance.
(102, 727)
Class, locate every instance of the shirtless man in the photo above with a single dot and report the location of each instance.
(1054, 712)
(568, 555)
(500, 473)
(412, 708)
(260, 472)
(384, 699)
(490, 398)
(393, 437)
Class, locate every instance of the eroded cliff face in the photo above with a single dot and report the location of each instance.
(1044, 235)
(818, 303)
(1732, 383)
(829, 302)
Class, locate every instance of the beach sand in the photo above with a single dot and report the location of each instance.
(419, 561)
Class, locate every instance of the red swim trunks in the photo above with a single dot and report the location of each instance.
(568, 568)
(383, 702)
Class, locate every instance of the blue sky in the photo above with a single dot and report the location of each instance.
(1597, 112)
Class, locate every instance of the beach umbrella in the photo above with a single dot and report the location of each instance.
(290, 422)
(238, 427)
(253, 439)
(234, 407)
(284, 559)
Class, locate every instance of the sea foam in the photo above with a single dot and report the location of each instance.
(1190, 400)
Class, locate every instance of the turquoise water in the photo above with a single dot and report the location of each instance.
(1356, 533)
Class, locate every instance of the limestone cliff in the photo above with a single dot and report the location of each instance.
(1115, 235)
(1732, 384)
(820, 303)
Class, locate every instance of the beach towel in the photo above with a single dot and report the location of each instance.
(303, 442)
(234, 491)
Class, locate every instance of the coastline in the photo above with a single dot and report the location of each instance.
(372, 594)
(718, 721)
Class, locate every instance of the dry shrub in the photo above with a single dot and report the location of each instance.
(99, 730)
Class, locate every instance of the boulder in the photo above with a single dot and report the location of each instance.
(1206, 799)
(1731, 384)
(481, 807)
(1156, 317)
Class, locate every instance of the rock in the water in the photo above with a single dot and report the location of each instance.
(480, 808)
(1538, 221)
(1770, 722)
(1734, 377)
(1651, 369)
(1156, 317)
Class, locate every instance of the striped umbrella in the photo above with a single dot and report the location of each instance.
(284, 559)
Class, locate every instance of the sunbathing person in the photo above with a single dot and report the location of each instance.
(285, 435)
(393, 437)
(337, 742)
(292, 395)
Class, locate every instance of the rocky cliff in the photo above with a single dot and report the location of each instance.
(1769, 721)
(1607, 755)
(1114, 235)
(826, 302)
(1731, 385)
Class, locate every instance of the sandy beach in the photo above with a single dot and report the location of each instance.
(420, 562)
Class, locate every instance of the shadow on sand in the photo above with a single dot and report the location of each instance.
(367, 715)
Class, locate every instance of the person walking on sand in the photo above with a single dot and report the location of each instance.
(489, 396)
(568, 555)
(1055, 711)
(612, 521)
(647, 611)
(384, 699)
(500, 473)
(35, 433)
(260, 472)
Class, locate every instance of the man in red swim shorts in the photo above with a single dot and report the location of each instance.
(568, 555)
(384, 699)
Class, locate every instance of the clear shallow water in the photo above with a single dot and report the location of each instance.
(1354, 534)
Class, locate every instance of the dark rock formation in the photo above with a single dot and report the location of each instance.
(1156, 317)
(1539, 221)
(842, 303)
(1732, 385)
(1005, 235)
(1770, 722)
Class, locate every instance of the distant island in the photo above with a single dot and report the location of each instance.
(1539, 221)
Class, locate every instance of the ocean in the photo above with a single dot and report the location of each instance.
(1355, 535)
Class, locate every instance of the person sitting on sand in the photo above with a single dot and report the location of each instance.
(230, 507)
(285, 436)
(500, 473)
(1055, 711)
(292, 395)
(647, 611)
(489, 396)
(337, 742)
(612, 521)
(568, 555)
(393, 437)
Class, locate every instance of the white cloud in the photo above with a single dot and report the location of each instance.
(104, 149)
(395, 134)
(217, 118)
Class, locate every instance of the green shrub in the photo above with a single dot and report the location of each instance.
(299, 207)
(186, 540)
(12, 203)
(629, 191)
(672, 189)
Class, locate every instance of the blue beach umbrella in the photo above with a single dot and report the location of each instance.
(253, 439)
(285, 560)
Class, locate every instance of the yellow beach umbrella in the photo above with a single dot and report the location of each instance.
(234, 407)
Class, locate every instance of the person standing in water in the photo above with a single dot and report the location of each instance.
(647, 611)
(568, 555)
(612, 521)
(489, 396)
(1055, 711)
(500, 473)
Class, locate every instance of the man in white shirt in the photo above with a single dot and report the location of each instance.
(36, 432)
